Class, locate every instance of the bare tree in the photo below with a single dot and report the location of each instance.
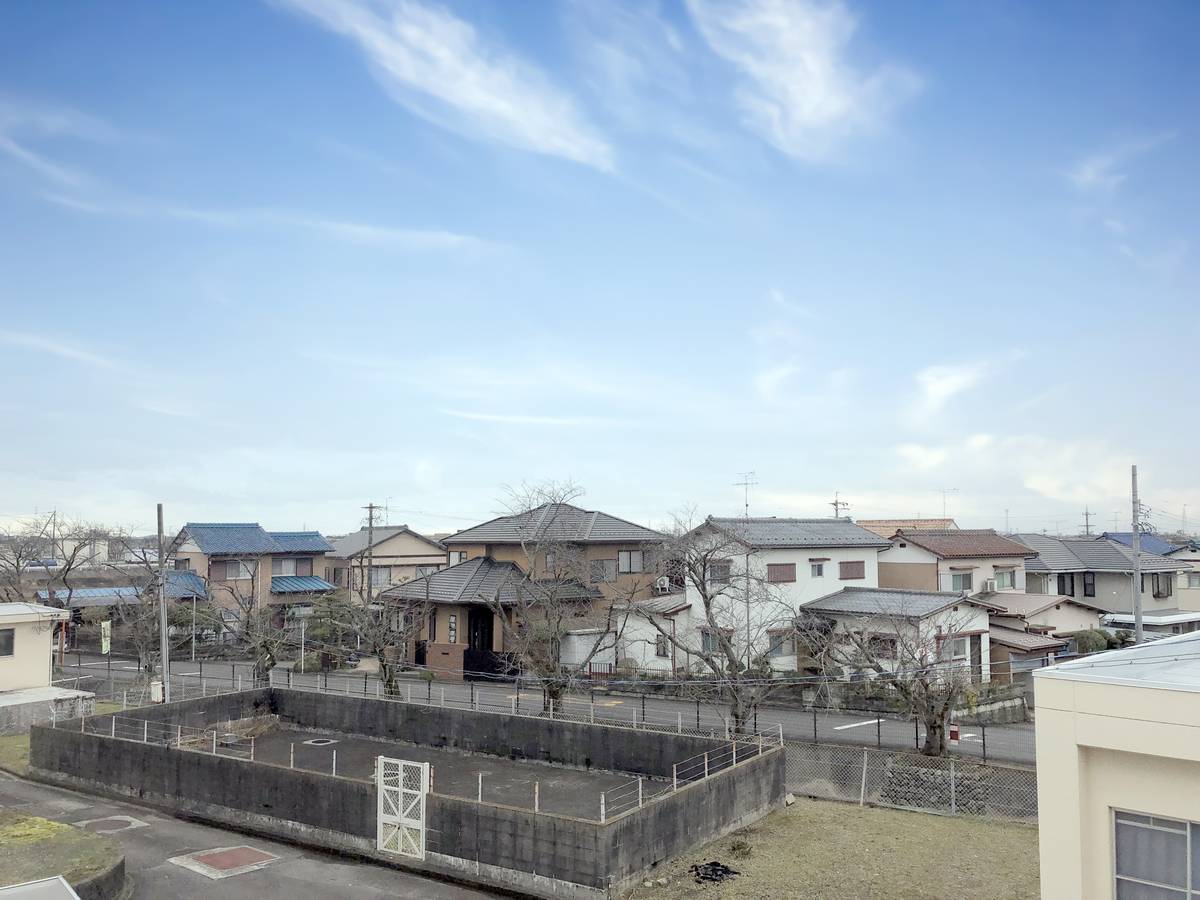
(557, 593)
(907, 653)
(384, 629)
(736, 611)
(22, 546)
(48, 550)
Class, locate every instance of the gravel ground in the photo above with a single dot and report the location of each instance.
(833, 851)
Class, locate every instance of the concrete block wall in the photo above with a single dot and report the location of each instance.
(565, 743)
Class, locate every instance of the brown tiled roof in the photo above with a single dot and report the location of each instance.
(887, 527)
(960, 543)
(1023, 640)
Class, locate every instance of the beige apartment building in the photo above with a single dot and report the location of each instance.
(1119, 773)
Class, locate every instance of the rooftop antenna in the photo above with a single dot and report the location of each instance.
(748, 481)
(838, 505)
(945, 492)
(1087, 521)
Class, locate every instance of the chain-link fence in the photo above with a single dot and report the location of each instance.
(911, 781)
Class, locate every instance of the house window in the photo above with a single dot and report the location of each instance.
(183, 564)
(781, 573)
(1006, 579)
(818, 570)
(662, 648)
(1066, 585)
(1160, 584)
(290, 565)
(709, 642)
(882, 646)
(961, 581)
(338, 574)
(1193, 579)
(452, 629)
(1089, 584)
(237, 569)
(381, 576)
(458, 556)
(551, 562)
(6, 641)
(629, 561)
(957, 650)
(1151, 857)
(852, 569)
(780, 644)
(433, 626)
(604, 570)
(422, 571)
(719, 571)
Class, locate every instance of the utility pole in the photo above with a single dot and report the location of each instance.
(164, 645)
(1087, 521)
(838, 505)
(370, 508)
(1007, 530)
(1137, 563)
(746, 483)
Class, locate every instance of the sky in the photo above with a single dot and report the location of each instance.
(273, 261)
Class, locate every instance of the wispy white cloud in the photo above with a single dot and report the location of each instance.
(519, 419)
(40, 163)
(799, 88)
(55, 346)
(769, 382)
(24, 122)
(1102, 171)
(440, 68)
(937, 385)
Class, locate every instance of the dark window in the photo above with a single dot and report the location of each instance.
(882, 646)
(719, 571)
(781, 573)
(1066, 585)
(6, 641)
(661, 646)
(780, 644)
(851, 570)
(629, 561)
(1089, 584)
(433, 627)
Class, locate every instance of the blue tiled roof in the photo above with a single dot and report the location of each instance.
(301, 542)
(1150, 543)
(299, 584)
(185, 586)
(225, 538)
(100, 596)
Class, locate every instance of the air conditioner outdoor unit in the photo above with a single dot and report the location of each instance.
(989, 584)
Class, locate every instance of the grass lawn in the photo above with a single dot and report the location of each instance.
(32, 848)
(14, 753)
(836, 851)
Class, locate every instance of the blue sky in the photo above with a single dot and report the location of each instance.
(271, 261)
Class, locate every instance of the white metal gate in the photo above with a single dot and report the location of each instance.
(401, 787)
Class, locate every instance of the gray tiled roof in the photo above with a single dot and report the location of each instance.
(773, 532)
(1090, 555)
(483, 580)
(224, 538)
(356, 542)
(557, 522)
(300, 541)
(888, 602)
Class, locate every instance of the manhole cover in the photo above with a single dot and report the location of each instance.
(224, 862)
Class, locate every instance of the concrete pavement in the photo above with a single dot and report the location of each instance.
(158, 851)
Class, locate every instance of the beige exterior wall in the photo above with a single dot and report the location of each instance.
(918, 576)
(225, 593)
(1104, 747)
(402, 553)
(627, 586)
(29, 666)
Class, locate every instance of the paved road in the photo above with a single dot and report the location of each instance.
(1004, 743)
(297, 874)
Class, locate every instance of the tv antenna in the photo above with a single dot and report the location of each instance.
(748, 481)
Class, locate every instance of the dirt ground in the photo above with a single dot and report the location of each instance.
(821, 850)
(32, 848)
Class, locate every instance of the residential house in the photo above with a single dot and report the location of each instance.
(26, 644)
(1029, 631)
(245, 566)
(655, 636)
(959, 559)
(1014, 651)
(1100, 571)
(885, 528)
(1187, 584)
(949, 623)
(397, 554)
(797, 560)
(618, 557)
(463, 635)
(1118, 769)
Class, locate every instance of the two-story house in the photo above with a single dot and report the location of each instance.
(394, 553)
(246, 566)
(960, 559)
(1100, 571)
(1187, 584)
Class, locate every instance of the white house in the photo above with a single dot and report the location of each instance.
(960, 559)
(26, 657)
(907, 626)
(1187, 584)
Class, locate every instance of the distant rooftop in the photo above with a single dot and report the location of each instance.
(483, 580)
(1151, 543)
(228, 538)
(1090, 555)
(964, 543)
(797, 533)
(356, 542)
(556, 522)
(887, 527)
(890, 602)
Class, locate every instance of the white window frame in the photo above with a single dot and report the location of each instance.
(817, 570)
(381, 576)
(283, 564)
(460, 556)
(1193, 579)
(1009, 575)
(245, 569)
(969, 586)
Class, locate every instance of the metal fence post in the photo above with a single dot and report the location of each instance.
(916, 733)
(251, 748)
(734, 752)
(592, 712)
(983, 735)
(335, 763)
(815, 741)
(953, 798)
(536, 801)
(214, 742)
(292, 756)
(862, 791)
(443, 696)
(602, 806)
(879, 732)
(479, 793)
(639, 792)
(124, 699)
(675, 776)
(697, 714)
(178, 735)
(145, 731)
(113, 730)
(514, 706)
(705, 765)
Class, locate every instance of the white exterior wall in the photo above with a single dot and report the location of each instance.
(29, 666)
(984, 568)
(1114, 592)
(1187, 597)
(638, 643)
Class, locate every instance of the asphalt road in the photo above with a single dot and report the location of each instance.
(296, 873)
(1012, 744)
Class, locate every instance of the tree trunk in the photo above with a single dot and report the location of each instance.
(935, 736)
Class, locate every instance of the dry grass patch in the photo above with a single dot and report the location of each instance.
(32, 848)
(835, 851)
